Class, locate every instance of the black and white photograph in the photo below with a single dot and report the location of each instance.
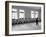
(25, 18)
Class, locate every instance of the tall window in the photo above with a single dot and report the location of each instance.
(14, 14)
(34, 14)
(21, 13)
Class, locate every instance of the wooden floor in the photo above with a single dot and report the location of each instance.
(29, 26)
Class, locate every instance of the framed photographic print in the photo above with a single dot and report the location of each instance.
(24, 18)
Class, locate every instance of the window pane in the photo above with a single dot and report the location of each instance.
(21, 14)
(32, 14)
(20, 10)
(36, 14)
(14, 9)
(14, 14)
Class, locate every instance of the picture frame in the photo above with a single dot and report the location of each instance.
(23, 7)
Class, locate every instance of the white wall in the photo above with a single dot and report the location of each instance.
(2, 18)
